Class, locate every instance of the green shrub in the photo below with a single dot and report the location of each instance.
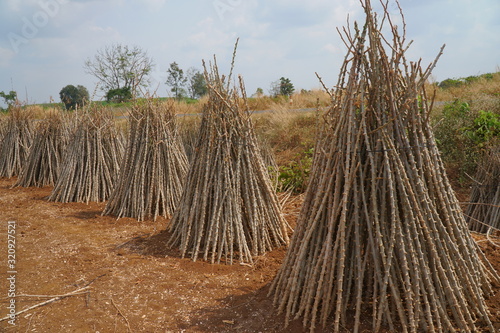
(119, 95)
(458, 150)
(463, 135)
(486, 127)
(295, 175)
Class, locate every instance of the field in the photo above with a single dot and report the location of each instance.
(134, 283)
(100, 274)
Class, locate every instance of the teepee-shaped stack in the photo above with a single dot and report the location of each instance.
(42, 165)
(16, 141)
(92, 159)
(483, 211)
(228, 209)
(381, 238)
(154, 168)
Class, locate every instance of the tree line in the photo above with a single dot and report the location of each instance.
(123, 73)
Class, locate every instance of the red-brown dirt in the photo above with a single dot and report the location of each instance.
(135, 284)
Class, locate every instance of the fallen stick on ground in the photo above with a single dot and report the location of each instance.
(121, 314)
(79, 291)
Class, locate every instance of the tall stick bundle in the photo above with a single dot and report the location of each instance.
(228, 209)
(16, 142)
(92, 160)
(43, 162)
(154, 168)
(483, 211)
(381, 236)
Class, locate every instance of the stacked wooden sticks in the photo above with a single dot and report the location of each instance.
(43, 162)
(154, 168)
(16, 141)
(92, 159)
(483, 211)
(228, 209)
(381, 236)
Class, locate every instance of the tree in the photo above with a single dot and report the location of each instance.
(176, 80)
(286, 87)
(274, 89)
(196, 84)
(283, 87)
(259, 92)
(73, 97)
(9, 98)
(120, 66)
(119, 95)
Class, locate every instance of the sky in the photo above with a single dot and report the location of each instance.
(44, 43)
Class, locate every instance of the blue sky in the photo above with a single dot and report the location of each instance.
(44, 43)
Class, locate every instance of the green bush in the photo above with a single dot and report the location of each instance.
(119, 95)
(74, 97)
(294, 176)
(486, 127)
(462, 136)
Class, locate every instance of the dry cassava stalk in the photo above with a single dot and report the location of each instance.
(43, 162)
(483, 211)
(16, 141)
(381, 237)
(92, 159)
(154, 168)
(228, 209)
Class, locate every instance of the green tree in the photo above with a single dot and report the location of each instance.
(259, 92)
(74, 97)
(283, 87)
(9, 98)
(196, 84)
(176, 80)
(120, 66)
(119, 95)
(286, 87)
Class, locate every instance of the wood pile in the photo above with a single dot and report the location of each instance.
(155, 165)
(381, 237)
(16, 141)
(92, 159)
(483, 211)
(228, 210)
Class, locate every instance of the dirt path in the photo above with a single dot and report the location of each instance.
(136, 284)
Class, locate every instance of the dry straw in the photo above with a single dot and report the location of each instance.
(228, 209)
(381, 236)
(43, 162)
(155, 165)
(16, 141)
(92, 159)
(483, 211)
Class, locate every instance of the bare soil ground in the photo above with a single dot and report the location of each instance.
(135, 284)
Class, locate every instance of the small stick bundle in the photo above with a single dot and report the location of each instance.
(43, 162)
(381, 236)
(92, 160)
(16, 141)
(155, 166)
(228, 208)
(483, 211)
